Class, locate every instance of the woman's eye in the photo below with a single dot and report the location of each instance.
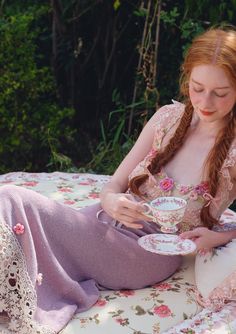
(220, 95)
(197, 90)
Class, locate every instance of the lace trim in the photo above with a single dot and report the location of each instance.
(229, 162)
(221, 295)
(168, 116)
(17, 294)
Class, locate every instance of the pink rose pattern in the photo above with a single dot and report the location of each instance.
(29, 184)
(163, 286)
(19, 229)
(101, 302)
(162, 311)
(126, 293)
(193, 193)
(78, 198)
(166, 184)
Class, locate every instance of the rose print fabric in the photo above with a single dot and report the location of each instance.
(55, 259)
(156, 309)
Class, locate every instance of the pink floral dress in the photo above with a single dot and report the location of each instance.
(195, 195)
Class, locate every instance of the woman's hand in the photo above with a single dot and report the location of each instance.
(125, 209)
(204, 238)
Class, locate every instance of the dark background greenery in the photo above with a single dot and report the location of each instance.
(79, 78)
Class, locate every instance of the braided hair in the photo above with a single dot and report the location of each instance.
(217, 46)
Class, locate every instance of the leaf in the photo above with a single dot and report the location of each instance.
(116, 4)
(141, 12)
(185, 317)
(139, 310)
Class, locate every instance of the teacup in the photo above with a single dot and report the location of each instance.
(167, 212)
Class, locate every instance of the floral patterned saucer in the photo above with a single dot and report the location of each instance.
(166, 244)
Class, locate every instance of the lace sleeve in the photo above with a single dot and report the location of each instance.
(230, 161)
(226, 192)
(167, 116)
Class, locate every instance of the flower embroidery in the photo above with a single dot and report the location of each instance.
(152, 153)
(162, 311)
(39, 278)
(202, 188)
(184, 189)
(19, 229)
(166, 184)
(193, 195)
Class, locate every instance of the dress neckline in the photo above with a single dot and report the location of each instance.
(191, 185)
(167, 185)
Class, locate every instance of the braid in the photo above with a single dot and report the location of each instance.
(215, 161)
(163, 157)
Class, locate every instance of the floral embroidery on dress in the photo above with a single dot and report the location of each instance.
(196, 196)
(166, 184)
(19, 229)
(226, 183)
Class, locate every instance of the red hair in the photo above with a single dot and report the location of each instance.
(217, 47)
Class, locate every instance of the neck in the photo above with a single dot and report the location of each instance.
(209, 128)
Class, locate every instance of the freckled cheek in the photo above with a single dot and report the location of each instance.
(225, 105)
(194, 97)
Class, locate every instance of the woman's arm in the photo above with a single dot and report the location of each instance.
(206, 239)
(114, 201)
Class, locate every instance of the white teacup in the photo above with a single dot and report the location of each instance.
(167, 212)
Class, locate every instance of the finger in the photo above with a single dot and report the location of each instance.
(126, 217)
(132, 225)
(189, 234)
(136, 215)
(131, 205)
(133, 215)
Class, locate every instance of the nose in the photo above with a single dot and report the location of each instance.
(207, 102)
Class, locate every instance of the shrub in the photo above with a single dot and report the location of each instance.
(32, 125)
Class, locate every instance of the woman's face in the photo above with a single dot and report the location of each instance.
(211, 93)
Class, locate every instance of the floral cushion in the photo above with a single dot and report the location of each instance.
(222, 260)
(218, 284)
(168, 307)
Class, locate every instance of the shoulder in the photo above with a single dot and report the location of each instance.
(167, 114)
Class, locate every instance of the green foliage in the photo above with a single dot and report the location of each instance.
(28, 110)
(116, 4)
(63, 62)
(114, 143)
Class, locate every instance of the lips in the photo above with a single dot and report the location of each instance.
(206, 113)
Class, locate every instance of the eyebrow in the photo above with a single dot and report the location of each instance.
(198, 83)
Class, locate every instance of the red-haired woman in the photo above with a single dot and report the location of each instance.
(187, 149)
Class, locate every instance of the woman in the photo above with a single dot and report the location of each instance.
(55, 259)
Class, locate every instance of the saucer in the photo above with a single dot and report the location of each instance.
(166, 244)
